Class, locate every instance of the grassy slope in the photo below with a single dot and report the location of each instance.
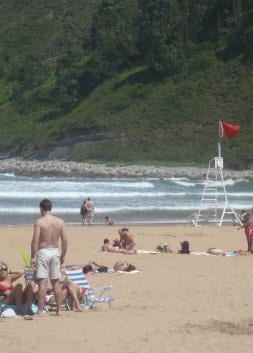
(168, 121)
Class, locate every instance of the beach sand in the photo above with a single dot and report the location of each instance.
(179, 303)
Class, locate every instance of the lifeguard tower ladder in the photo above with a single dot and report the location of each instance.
(214, 203)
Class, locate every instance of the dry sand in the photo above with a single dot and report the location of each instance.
(179, 303)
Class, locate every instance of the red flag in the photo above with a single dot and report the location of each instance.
(228, 130)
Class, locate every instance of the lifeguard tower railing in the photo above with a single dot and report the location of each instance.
(214, 206)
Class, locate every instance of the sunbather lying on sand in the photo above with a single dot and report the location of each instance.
(220, 252)
(107, 247)
(123, 266)
(94, 267)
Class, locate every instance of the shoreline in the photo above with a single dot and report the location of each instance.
(57, 168)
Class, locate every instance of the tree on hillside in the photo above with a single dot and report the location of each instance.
(160, 41)
(113, 34)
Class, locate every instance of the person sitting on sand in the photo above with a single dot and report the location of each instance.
(107, 247)
(126, 239)
(185, 247)
(14, 295)
(108, 221)
(69, 289)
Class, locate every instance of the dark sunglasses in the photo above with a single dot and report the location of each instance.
(3, 269)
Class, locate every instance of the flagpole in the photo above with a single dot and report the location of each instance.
(219, 144)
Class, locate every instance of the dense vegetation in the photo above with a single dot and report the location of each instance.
(126, 80)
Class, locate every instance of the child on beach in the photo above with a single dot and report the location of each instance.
(108, 221)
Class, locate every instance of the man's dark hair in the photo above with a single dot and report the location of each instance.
(106, 241)
(130, 268)
(46, 205)
(87, 268)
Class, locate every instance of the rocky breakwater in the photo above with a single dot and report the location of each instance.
(74, 169)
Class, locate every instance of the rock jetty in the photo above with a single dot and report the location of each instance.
(58, 168)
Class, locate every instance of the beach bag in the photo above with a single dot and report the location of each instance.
(103, 269)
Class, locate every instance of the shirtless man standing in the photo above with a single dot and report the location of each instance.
(90, 211)
(45, 253)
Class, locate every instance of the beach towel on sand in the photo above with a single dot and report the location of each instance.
(13, 309)
(129, 272)
(147, 252)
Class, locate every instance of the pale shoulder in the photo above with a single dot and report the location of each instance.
(57, 220)
(38, 221)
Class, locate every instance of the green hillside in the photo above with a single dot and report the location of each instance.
(126, 80)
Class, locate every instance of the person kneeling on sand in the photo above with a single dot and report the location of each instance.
(126, 240)
(107, 247)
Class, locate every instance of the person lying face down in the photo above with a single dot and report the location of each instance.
(123, 266)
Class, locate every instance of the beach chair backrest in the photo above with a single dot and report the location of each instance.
(78, 277)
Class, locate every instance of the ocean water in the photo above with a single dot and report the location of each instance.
(126, 201)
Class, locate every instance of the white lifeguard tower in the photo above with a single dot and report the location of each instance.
(214, 205)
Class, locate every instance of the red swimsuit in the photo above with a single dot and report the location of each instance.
(3, 288)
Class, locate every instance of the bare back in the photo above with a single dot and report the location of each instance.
(47, 231)
(126, 237)
(50, 229)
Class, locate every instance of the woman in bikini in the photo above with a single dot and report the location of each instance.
(14, 295)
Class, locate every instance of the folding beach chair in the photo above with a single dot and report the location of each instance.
(29, 276)
(91, 295)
